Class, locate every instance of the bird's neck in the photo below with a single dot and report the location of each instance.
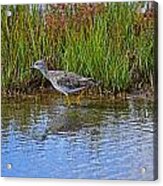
(44, 71)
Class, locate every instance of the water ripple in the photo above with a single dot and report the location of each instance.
(101, 140)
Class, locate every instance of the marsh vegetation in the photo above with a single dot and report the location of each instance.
(110, 42)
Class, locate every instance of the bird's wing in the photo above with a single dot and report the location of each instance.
(71, 81)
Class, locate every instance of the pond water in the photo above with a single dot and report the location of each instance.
(100, 139)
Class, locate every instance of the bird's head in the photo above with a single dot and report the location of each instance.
(40, 65)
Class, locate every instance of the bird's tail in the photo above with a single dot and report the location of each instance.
(94, 83)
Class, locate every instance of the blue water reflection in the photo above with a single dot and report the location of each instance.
(98, 140)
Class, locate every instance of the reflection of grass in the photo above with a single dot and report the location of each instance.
(46, 109)
(110, 43)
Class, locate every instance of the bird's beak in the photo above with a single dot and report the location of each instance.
(31, 67)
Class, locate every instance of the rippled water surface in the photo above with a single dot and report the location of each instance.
(101, 139)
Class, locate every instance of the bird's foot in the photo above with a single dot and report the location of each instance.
(78, 102)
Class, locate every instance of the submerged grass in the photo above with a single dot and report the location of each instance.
(110, 42)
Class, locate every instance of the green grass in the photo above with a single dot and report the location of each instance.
(106, 46)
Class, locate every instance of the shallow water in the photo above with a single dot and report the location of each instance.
(101, 139)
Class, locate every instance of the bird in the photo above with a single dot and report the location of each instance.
(65, 82)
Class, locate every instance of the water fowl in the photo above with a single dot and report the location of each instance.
(65, 82)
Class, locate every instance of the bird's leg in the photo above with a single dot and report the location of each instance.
(78, 102)
(68, 100)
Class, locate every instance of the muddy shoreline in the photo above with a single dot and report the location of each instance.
(149, 93)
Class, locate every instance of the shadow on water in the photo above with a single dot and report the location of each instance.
(102, 138)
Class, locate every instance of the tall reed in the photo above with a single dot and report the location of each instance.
(110, 42)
